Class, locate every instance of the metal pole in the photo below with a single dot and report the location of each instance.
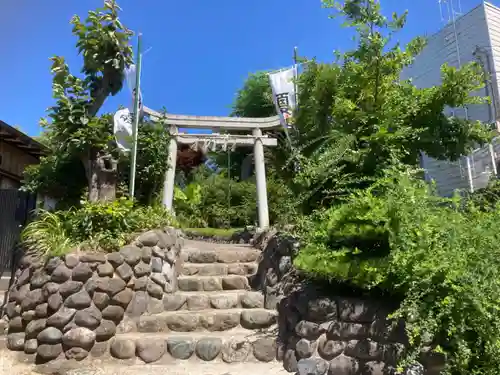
(469, 174)
(296, 75)
(136, 117)
(493, 160)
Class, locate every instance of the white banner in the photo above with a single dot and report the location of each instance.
(130, 74)
(284, 93)
(122, 129)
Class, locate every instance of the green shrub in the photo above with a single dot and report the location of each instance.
(214, 200)
(47, 236)
(94, 226)
(487, 198)
(226, 233)
(442, 262)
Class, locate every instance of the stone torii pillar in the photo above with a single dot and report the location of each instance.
(169, 182)
(260, 176)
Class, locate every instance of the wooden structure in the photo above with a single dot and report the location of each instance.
(17, 151)
(255, 138)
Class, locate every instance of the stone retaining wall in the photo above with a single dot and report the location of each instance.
(329, 332)
(342, 335)
(275, 269)
(71, 305)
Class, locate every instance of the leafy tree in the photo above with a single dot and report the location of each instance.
(151, 165)
(357, 116)
(255, 98)
(74, 130)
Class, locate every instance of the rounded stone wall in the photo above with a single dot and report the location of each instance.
(338, 335)
(71, 306)
(329, 331)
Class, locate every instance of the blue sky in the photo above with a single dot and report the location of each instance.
(201, 50)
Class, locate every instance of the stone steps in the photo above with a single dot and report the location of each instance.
(204, 245)
(230, 347)
(218, 269)
(202, 320)
(226, 256)
(212, 283)
(219, 300)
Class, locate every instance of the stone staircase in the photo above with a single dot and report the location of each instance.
(213, 315)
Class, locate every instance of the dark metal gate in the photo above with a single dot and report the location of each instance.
(15, 209)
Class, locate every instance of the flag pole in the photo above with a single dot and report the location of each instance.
(136, 117)
(296, 75)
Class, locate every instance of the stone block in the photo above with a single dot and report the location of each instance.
(343, 365)
(198, 302)
(348, 331)
(183, 322)
(181, 347)
(312, 366)
(224, 301)
(264, 349)
(330, 349)
(357, 310)
(257, 319)
(235, 350)
(122, 349)
(207, 349)
(219, 321)
(365, 350)
(150, 350)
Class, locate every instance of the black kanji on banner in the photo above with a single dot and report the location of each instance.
(284, 106)
(282, 100)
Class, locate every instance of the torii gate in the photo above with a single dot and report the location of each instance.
(257, 139)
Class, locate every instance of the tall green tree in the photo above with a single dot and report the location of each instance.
(74, 131)
(357, 116)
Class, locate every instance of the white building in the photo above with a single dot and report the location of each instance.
(475, 36)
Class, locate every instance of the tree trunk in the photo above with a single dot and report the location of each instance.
(101, 170)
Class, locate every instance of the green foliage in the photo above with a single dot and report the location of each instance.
(226, 233)
(255, 98)
(104, 226)
(487, 198)
(151, 166)
(62, 176)
(375, 225)
(358, 111)
(104, 43)
(188, 204)
(47, 236)
(441, 262)
(216, 201)
(73, 133)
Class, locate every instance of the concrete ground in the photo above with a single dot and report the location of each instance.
(10, 365)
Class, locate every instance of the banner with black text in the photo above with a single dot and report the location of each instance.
(284, 95)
